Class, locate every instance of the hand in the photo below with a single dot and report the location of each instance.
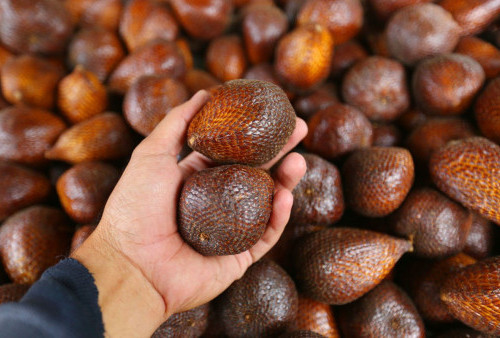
(137, 246)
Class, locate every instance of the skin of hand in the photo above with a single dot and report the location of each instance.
(143, 269)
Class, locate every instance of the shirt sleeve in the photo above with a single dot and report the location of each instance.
(62, 303)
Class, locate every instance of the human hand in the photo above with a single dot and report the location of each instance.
(144, 271)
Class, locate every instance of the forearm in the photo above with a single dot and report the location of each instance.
(130, 306)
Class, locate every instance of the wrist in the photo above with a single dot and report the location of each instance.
(129, 303)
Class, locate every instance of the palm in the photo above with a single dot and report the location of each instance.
(147, 198)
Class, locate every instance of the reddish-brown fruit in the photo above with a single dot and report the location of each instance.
(318, 197)
(97, 50)
(346, 55)
(386, 311)
(262, 26)
(487, 111)
(377, 41)
(191, 323)
(226, 58)
(418, 31)
(197, 79)
(203, 19)
(377, 179)
(316, 317)
(308, 104)
(35, 26)
(21, 187)
(30, 80)
(225, 210)
(149, 99)
(26, 133)
(483, 52)
(481, 239)
(262, 303)
(338, 130)
(185, 50)
(5, 55)
(75, 8)
(343, 18)
(143, 21)
(339, 265)
(472, 295)
(157, 57)
(12, 292)
(411, 119)
(32, 240)
(434, 133)
(385, 8)
(467, 171)
(447, 84)
(377, 87)
(81, 95)
(84, 189)
(304, 55)
(102, 137)
(426, 291)
(301, 334)
(461, 332)
(472, 15)
(102, 13)
(437, 226)
(386, 135)
(244, 121)
(262, 72)
(80, 235)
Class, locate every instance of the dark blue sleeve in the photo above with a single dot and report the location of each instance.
(63, 303)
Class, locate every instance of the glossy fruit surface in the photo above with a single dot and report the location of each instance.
(190, 324)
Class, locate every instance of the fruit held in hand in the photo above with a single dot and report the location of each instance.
(225, 210)
(244, 121)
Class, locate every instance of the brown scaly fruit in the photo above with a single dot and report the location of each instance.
(102, 13)
(244, 121)
(346, 55)
(481, 239)
(35, 26)
(84, 189)
(81, 95)
(187, 324)
(198, 79)
(12, 292)
(487, 112)
(377, 179)
(21, 187)
(316, 317)
(463, 333)
(421, 30)
(308, 104)
(26, 133)
(102, 137)
(339, 265)
(472, 15)
(149, 99)
(426, 291)
(145, 20)
(386, 135)
(303, 56)
(483, 52)
(32, 240)
(344, 18)
(225, 210)
(385, 8)
(226, 58)
(472, 295)
(203, 19)
(446, 84)
(318, 197)
(437, 225)
(262, 303)
(301, 334)
(386, 311)
(467, 171)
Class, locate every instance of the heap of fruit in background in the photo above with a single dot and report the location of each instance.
(391, 232)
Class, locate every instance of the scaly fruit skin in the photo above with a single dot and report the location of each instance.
(12, 292)
(473, 295)
(483, 52)
(316, 317)
(467, 170)
(302, 334)
(263, 303)
(487, 111)
(224, 210)
(244, 121)
(187, 324)
(339, 265)
(472, 15)
(377, 179)
(32, 240)
(386, 311)
(80, 235)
